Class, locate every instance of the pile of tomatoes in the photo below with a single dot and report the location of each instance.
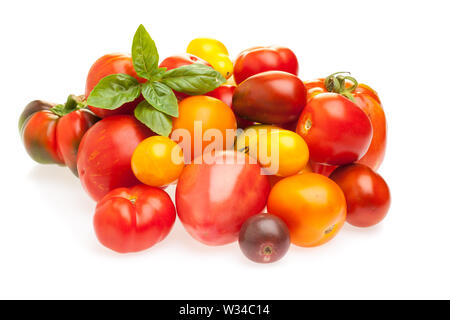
(268, 159)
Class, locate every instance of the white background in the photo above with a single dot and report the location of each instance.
(401, 48)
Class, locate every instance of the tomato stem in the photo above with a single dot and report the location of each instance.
(337, 82)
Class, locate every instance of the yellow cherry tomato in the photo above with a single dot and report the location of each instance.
(281, 152)
(214, 52)
(157, 161)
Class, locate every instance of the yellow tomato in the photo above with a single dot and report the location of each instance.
(281, 152)
(214, 52)
(157, 161)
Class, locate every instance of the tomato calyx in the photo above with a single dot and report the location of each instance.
(336, 83)
(73, 103)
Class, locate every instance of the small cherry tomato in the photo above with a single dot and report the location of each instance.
(225, 94)
(272, 97)
(157, 161)
(336, 130)
(367, 194)
(180, 60)
(107, 65)
(260, 59)
(104, 156)
(214, 198)
(214, 52)
(312, 206)
(203, 123)
(135, 219)
(264, 238)
(280, 152)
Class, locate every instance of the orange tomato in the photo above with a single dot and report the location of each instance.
(274, 179)
(312, 206)
(157, 161)
(205, 120)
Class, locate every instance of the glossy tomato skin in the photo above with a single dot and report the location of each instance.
(107, 65)
(215, 198)
(32, 108)
(134, 219)
(368, 100)
(312, 206)
(260, 59)
(39, 137)
(272, 97)
(323, 169)
(336, 130)
(225, 94)
(69, 132)
(180, 60)
(367, 194)
(104, 155)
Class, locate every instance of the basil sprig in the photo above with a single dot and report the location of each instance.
(160, 103)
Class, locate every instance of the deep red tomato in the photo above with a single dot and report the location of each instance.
(112, 64)
(323, 169)
(53, 138)
(215, 198)
(367, 194)
(135, 219)
(367, 99)
(336, 130)
(104, 156)
(272, 97)
(180, 60)
(225, 93)
(260, 59)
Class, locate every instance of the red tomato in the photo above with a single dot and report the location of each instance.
(52, 138)
(215, 198)
(323, 169)
(39, 137)
(180, 60)
(107, 65)
(225, 93)
(367, 194)
(104, 156)
(272, 97)
(260, 59)
(367, 99)
(336, 130)
(135, 219)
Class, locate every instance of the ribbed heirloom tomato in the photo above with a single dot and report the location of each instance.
(312, 206)
(203, 124)
(109, 64)
(131, 220)
(216, 197)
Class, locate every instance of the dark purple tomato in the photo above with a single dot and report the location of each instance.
(264, 238)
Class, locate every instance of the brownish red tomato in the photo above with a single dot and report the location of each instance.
(180, 60)
(260, 59)
(50, 136)
(216, 197)
(272, 97)
(107, 65)
(135, 219)
(367, 194)
(368, 100)
(104, 157)
(336, 130)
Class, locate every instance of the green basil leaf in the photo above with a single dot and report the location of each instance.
(157, 121)
(144, 53)
(193, 79)
(161, 97)
(113, 91)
